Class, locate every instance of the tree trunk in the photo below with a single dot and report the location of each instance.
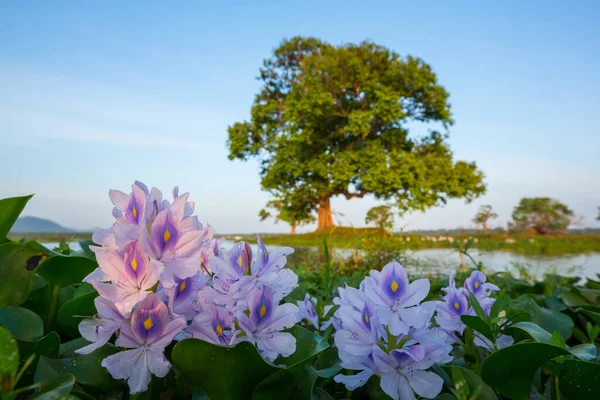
(484, 227)
(293, 229)
(325, 220)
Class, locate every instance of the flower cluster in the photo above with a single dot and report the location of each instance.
(163, 277)
(456, 303)
(384, 328)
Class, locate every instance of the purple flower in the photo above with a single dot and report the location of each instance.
(130, 272)
(99, 329)
(181, 298)
(130, 208)
(307, 311)
(266, 320)
(148, 334)
(449, 311)
(476, 284)
(175, 241)
(394, 298)
(214, 324)
(402, 373)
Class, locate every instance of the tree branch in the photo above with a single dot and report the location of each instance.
(353, 195)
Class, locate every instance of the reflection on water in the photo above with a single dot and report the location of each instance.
(442, 261)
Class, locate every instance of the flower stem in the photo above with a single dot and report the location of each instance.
(53, 309)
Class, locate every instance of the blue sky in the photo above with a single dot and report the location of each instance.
(94, 96)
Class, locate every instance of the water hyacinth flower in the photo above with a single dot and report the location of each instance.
(99, 329)
(130, 273)
(147, 336)
(181, 298)
(394, 298)
(265, 322)
(307, 311)
(214, 324)
(476, 284)
(449, 311)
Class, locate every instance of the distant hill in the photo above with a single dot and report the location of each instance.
(37, 225)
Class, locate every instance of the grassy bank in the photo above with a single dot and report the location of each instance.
(555, 244)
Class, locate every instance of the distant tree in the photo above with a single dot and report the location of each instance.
(381, 216)
(484, 214)
(598, 217)
(542, 214)
(333, 121)
(280, 212)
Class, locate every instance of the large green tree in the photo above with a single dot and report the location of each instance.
(542, 214)
(381, 216)
(484, 214)
(334, 121)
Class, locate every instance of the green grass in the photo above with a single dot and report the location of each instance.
(555, 244)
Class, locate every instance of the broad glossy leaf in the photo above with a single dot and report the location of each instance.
(85, 367)
(74, 311)
(477, 384)
(22, 323)
(502, 303)
(66, 270)
(47, 346)
(517, 364)
(478, 324)
(586, 351)
(57, 388)
(67, 349)
(83, 288)
(594, 314)
(572, 299)
(223, 372)
(17, 265)
(298, 379)
(536, 332)
(328, 363)
(580, 380)
(549, 320)
(320, 394)
(10, 209)
(9, 354)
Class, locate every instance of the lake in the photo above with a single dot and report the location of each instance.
(423, 262)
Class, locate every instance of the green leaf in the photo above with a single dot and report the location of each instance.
(298, 379)
(10, 209)
(320, 394)
(536, 332)
(85, 367)
(22, 323)
(9, 357)
(517, 365)
(592, 314)
(557, 340)
(17, 265)
(479, 325)
(548, 319)
(580, 380)
(222, 372)
(83, 288)
(47, 346)
(502, 303)
(74, 311)
(66, 270)
(67, 349)
(476, 306)
(572, 299)
(328, 363)
(57, 388)
(477, 384)
(586, 351)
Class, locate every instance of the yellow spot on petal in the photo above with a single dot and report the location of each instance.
(134, 212)
(456, 305)
(239, 261)
(262, 311)
(134, 264)
(148, 323)
(476, 285)
(367, 318)
(202, 260)
(182, 286)
(394, 286)
(166, 235)
(219, 329)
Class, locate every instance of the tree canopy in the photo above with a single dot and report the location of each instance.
(280, 211)
(542, 214)
(334, 120)
(484, 214)
(382, 216)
